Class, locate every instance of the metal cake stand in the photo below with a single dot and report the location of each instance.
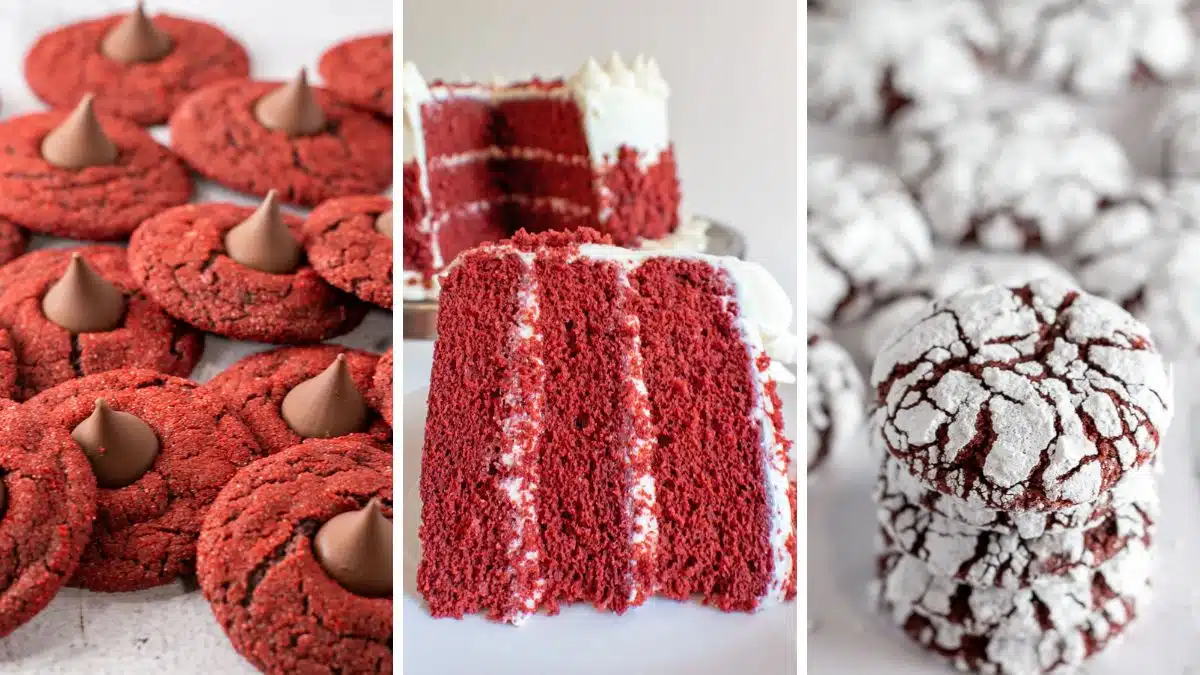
(420, 316)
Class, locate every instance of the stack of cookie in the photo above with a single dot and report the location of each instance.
(1016, 496)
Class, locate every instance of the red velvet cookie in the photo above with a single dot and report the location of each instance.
(96, 203)
(382, 386)
(359, 72)
(255, 387)
(13, 240)
(67, 63)
(8, 367)
(347, 250)
(145, 533)
(47, 354)
(178, 258)
(258, 569)
(216, 132)
(49, 506)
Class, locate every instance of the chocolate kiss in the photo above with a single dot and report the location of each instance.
(327, 405)
(120, 446)
(263, 241)
(79, 141)
(82, 301)
(355, 548)
(292, 108)
(383, 224)
(136, 39)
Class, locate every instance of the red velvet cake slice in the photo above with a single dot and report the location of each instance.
(604, 426)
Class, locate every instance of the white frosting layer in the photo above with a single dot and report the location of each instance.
(622, 106)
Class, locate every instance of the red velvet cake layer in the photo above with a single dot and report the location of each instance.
(551, 124)
(469, 227)
(416, 243)
(457, 125)
(655, 212)
(451, 186)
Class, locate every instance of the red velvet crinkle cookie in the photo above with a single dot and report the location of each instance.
(8, 367)
(347, 250)
(99, 203)
(382, 386)
(145, 533)
(258, 570)
(359, 72)
(216, 132)
(255, 386)
(67, 63)
(48, 354)
(179, 259)
(46, 519)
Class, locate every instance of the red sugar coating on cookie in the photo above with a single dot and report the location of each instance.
(346, 249)
(257, 568)
(45, 525)
(255, 386)
(48, 354)
(215, 131)
(381, 391)
(145, 533)
(179, 259)
(359, 72)
(96, 203)
(67, 63)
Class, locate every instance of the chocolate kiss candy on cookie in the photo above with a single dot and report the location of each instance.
(355, 548)
(136, 39)
(292, 108)
(79, 142)
(82, 301)
(120, 446)
(263, 241)
(384, 223)
(327, 405)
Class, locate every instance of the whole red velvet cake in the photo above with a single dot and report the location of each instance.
(604, 426)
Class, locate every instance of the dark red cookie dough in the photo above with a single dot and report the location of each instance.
(47, 519)
(178, 258)
(216, 132)
(47, 354)
(347, 251)
(254, 388)
(13, 241)
(96, 203)
(67, 63)
(145, 533)
(359, 72)
(257, 568)
(381, 391)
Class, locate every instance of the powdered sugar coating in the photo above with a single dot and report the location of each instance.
(1009, 178)
(1095, 47)
(1179, 124)
(869, 58)
(836, 396)
(866, 237)
(1035, 398)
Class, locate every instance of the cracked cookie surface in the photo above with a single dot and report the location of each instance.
(48, 354)
(98, 203)
(1032, 398)
(145, 533)
(258, 571)
(67, 63)
(50, 496)
(344, 247)
(255, 387)
(179, 259)
(359, 72)
(836, 396)
(215, 131)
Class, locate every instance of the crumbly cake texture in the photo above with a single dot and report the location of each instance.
(255, 386)
(145, 533)
(178, 258)
(381, 386)
(577, 386)
(99, 203)
(50, 496)
(215, 131)
(866, 237)
(836, 396)
(1048, 628)
(1032, 398)
(359, 72)
(67, 63)
(1095, 47)
(258, 571)
(47, 354)
(1017, 177)
(344, 247)
(868, 61)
